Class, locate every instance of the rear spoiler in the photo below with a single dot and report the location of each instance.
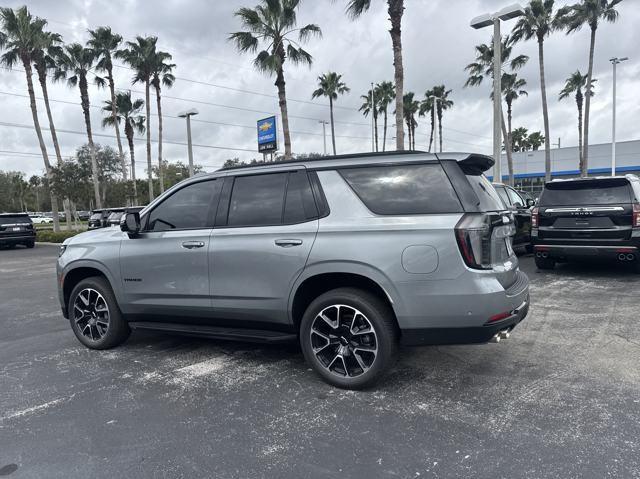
(470, 163)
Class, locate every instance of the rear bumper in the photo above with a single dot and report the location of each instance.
(17, 239)
(468, 335)
(565, 251)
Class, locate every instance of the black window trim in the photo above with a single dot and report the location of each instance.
(403, 163)
(222, 217)
(210, 217)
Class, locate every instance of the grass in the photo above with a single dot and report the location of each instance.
(48, 236)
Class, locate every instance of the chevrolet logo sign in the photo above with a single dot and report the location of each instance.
(265, 126)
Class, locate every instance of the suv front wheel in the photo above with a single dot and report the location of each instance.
(349, 337)
(94, 314)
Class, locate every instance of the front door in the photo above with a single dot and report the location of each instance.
(261, 245)
(164, 269)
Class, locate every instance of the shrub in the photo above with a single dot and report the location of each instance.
(48, 236)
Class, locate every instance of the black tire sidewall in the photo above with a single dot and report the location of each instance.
(380, 316)
(118, 330)
(545, 263)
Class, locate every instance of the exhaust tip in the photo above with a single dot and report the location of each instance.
(504, 334)
(496, 338)
(545, 254)
(622, 257)
(631, 257)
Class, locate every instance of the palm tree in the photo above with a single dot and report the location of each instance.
(272, 23)
(370, 105)
(535, 140)
(520, 138)
(512, 89)
(105, 43)
(576, 83)
(427, 108)
(21, 35)
(539, 21)
(140, 55)
(395, 8)
(77, 61)
(483, 68)
(443, 103)
(410, 107)
(128, 112)
(162, 75)
(384, 93)
(588, 12)
(331, 85)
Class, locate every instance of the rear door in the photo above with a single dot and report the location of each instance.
(585, 211)
(265, 228)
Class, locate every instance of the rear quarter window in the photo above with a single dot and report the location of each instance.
(403, 189)
(488, 197)
(606, 192)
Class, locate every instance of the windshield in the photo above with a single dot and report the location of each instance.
(96, 216)
(606, 192)
(489, 199)
(13, 219)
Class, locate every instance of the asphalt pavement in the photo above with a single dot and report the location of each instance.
(559, 399)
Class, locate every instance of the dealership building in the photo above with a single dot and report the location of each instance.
(528, 166)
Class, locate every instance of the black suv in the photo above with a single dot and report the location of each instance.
(521, 208)
(16, 228)
(588, 217)
(100, 218)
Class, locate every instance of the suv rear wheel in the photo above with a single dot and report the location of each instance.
(94, 314)
(349, 337)
(545, 263)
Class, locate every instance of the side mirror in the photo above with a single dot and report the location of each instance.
(130, 223)
(530, 203)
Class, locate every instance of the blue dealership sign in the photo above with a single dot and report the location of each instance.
(267, 135)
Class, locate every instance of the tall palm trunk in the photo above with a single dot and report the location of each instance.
(333, 132)
(282, 101)
(384, 138)
(584, 167)
(36, 123)
(433, 126)
(128, 131)
(159, 105)
(440, 128)
(375, 129)
(396, 9)
(508, 150)
(114, 116)
(545, 112)
(148, 112)
(413, 133)
(84, 99)
(579, 100)
(42, 78)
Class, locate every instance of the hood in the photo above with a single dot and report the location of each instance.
(102, 235)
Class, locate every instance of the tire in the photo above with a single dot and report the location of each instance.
(30, 244)
(88, 328)
(334, 359)
(528, 248)
(545, 263)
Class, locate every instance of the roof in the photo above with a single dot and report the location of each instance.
(593, 178)
(14, 214)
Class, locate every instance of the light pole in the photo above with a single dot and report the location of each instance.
(435, 99)
(324, 134)
(614, 61)
(188, 114)
(488, 19)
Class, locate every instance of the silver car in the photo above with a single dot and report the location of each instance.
(350, 255)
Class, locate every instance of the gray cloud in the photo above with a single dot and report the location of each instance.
(438, 43)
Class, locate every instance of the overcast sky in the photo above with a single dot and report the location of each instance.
(437, 40)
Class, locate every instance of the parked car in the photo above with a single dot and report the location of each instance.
(521, 208)
(350, 255)
(16, 228)
(98, 218)
(117, 213)
(40, 219)
(83, 215)
(587, 217)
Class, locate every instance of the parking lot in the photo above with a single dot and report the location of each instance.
(560, 398)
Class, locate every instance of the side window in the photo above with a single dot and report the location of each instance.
(516, 199)
(187, 208)
(299, 205)
(503, 195)
(257, 200)
(404, 189)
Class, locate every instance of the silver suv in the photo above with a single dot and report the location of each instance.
(350, 255)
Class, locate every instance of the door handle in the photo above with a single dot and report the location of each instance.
(288, 243)
(192, 244)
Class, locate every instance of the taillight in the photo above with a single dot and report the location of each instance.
(636, 215)
(473, 233)
(534, 217)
